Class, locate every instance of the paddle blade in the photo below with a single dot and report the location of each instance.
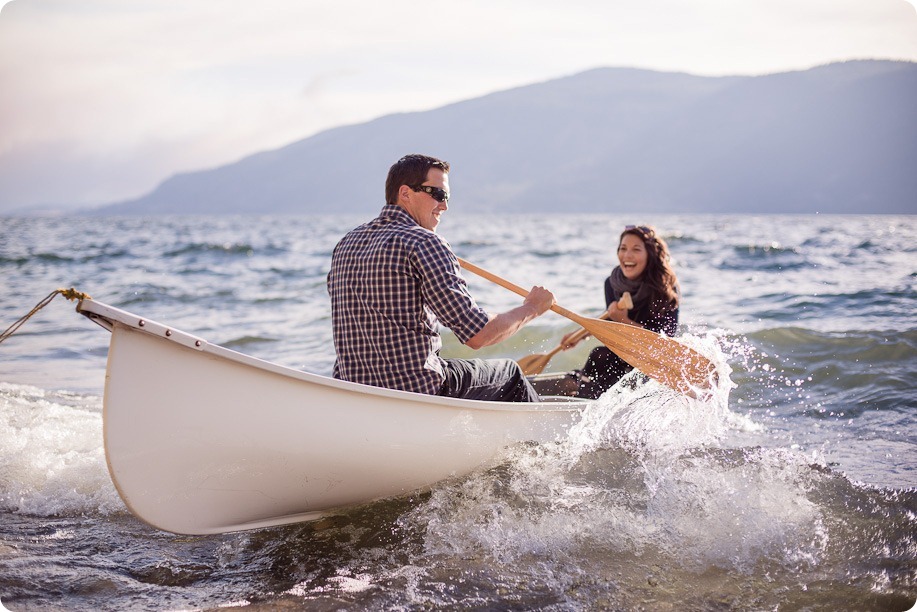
(660, 357)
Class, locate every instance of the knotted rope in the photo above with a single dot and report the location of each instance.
(71, 294)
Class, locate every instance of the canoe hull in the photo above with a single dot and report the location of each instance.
(200, 439)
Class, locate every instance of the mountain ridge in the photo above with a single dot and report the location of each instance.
(837, 138)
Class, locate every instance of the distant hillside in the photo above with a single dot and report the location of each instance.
(840, 138)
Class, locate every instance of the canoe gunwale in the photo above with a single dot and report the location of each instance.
(107, 316)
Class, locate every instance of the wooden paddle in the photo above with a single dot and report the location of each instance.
(658, 356)
(535, 364)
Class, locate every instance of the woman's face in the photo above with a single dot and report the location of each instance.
(632, 256)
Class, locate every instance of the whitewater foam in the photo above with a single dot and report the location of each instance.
(52, 459)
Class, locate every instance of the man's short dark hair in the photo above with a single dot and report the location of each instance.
(410, 170)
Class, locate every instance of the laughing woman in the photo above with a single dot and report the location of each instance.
(644, 270)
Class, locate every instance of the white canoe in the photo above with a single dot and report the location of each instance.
(201, 439)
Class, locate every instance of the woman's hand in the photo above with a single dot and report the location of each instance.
(572, 339)
(617, 311)
(614, 313)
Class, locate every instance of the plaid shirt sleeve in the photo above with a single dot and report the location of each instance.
(446, 292)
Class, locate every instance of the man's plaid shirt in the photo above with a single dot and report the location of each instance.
(391, 283)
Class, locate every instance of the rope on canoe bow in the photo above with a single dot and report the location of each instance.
(71, 294)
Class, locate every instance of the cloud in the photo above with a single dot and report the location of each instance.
(103, 99)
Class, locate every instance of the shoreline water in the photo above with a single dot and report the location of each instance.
(798, 491)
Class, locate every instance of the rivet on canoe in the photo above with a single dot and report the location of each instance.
(197, 343)
(168, 332)
(141, 323)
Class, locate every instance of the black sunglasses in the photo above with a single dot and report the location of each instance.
(440, 195)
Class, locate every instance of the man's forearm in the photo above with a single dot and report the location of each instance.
(503, 326)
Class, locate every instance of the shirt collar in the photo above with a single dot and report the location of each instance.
(396, 213)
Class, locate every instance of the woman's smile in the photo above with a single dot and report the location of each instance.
(632, 256)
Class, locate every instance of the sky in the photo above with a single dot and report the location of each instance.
(101, 100)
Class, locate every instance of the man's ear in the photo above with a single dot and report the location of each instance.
(403, 192)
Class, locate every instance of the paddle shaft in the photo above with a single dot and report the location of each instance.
(555, 350)
(513, 287)
(520, 291)
(576, 337)
(535, 364)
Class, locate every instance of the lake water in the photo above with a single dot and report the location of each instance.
(795, 487)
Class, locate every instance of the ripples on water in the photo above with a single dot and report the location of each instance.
(793, 487)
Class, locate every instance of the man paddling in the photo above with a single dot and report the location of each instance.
(394, 280)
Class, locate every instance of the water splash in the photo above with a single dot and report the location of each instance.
(643, 415)
(52, 460)
(642, 475)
